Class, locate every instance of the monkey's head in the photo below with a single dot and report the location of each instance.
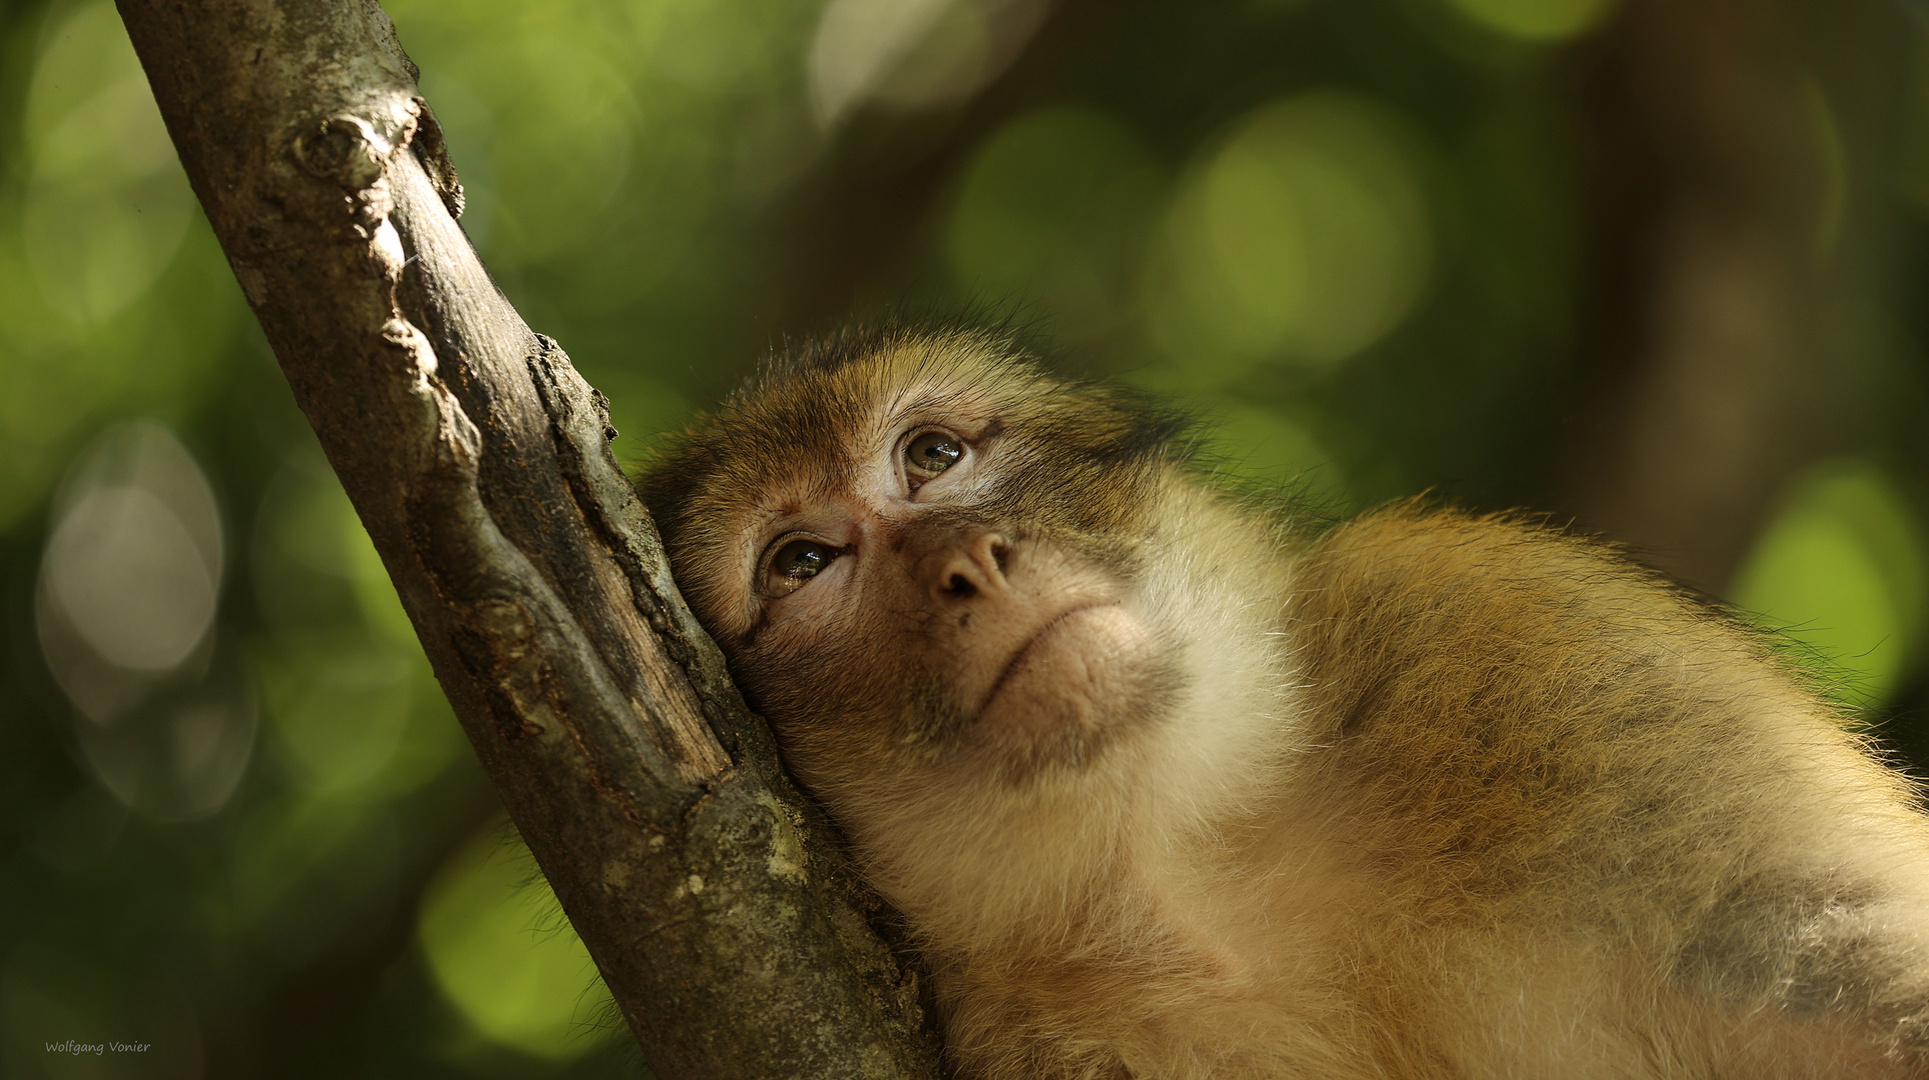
(964, 590)
(921, 554)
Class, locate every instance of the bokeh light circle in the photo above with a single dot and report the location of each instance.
(1303, 237)
(1839, 569)
(1537, 20)
(1052, 209)
(106, 205)
(503, 955)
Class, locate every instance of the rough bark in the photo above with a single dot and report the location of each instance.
(711, 895)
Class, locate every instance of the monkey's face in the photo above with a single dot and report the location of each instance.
(926, 562)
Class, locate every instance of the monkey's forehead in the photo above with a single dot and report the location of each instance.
(811, 424)
(822, 423)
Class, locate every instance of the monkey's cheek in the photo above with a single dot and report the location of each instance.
(1075, 684)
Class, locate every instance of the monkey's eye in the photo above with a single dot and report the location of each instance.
(932, 453)
(795, 563)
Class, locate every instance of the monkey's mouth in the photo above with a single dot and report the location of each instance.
(1025, 650)
(1068, 672)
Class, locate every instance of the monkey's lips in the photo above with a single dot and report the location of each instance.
(1080, 672)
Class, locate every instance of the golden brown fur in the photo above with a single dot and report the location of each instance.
(1167, 790)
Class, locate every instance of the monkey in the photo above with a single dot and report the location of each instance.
(1168, 784)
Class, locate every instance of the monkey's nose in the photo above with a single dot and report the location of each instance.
(969, 568)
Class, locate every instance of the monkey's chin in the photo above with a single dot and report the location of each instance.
(1088, 676)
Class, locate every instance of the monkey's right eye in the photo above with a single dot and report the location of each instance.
(933, 452)
(795, 563)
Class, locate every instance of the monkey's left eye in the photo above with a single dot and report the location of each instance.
(932, 453)
(795, 563)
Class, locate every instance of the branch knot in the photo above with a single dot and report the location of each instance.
(343, 149)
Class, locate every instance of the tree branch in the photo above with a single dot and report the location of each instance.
(712, 896)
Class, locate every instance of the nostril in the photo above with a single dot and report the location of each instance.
(1000, 554)
(960, 587)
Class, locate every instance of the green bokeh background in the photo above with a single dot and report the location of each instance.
(1613, 260)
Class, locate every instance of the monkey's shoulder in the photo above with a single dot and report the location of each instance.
(1408, 578)
(1494, 706)
(1424, 634)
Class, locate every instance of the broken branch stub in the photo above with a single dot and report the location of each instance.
(712, 896)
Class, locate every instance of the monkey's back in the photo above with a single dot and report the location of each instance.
(1560, 778)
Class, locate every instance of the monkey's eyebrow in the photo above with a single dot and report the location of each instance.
(766, 513)
(761, 520)
(930, 401)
